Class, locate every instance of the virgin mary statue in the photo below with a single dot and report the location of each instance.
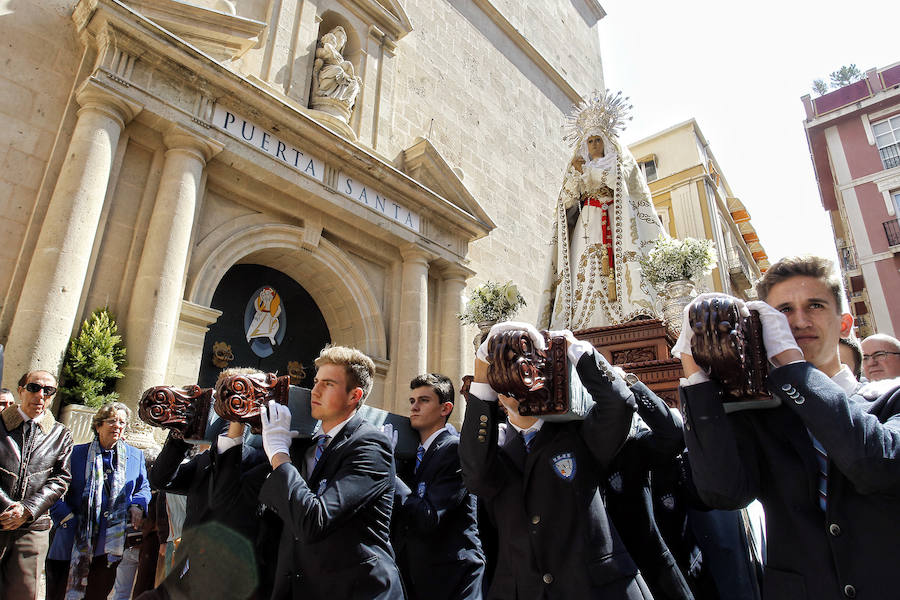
(604, 224)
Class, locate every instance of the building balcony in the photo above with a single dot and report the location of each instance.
(739, 269)
(890, 156)
(849, 262)
(892, 232)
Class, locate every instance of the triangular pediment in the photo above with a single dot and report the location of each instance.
(387, 15)
(221, 35)
(424, 163)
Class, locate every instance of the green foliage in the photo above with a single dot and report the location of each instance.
(492, 302)
(845, 76)
(820, 87)
(93, 362)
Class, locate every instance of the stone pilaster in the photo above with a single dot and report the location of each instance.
(453, 352)
(159, 284)
(53, 286)
(412, 346)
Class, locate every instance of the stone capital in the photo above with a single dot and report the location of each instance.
(413, 253)
(455, 272)
(179, 137)
(92, 95)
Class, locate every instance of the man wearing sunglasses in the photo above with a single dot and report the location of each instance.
(881, 357)
(29, 485)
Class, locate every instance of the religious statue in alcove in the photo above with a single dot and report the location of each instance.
(335, 84)
(604, 223)
(265, 321)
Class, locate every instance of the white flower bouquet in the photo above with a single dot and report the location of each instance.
(672, 259)
(492, 302)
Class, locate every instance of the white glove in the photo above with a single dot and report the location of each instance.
(276, 429)
(683, 345)
(391, 433)
(536, 338)
(776, 330)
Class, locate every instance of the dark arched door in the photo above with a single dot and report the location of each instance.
(268, 322)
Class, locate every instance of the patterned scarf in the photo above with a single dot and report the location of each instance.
(89, 513)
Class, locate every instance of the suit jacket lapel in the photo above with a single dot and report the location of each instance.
(514, 447)
(339, 440)
(437, 443)
(540, 438)
(791, 428)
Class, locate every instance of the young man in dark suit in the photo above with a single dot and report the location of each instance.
(825, 463)
(539, 481)
(334, 493)
(435, 524)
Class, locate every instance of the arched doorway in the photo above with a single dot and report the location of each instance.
(268, 322)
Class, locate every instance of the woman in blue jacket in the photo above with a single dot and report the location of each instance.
(109, 492)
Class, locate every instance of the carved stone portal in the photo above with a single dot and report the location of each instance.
(183, 410)
(240, 398)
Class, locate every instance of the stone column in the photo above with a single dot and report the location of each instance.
(159, 283)
(53, 286)
(453, 350)
(412, 343)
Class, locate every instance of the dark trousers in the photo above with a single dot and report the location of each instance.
(101, 579)
(22, 554)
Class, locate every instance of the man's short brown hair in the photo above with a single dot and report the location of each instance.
(359, 368)
(804, 266)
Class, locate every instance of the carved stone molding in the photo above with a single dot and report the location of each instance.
(178, 137)
(93, 95)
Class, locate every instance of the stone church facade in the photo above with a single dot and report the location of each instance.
(160, 155)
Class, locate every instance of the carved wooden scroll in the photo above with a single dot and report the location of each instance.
(182, 409)
(538, 379)
(240, 397)
(730, 347)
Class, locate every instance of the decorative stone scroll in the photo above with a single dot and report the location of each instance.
(240, 397)
(184, 410)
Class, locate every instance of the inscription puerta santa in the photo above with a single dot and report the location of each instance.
(310, 166)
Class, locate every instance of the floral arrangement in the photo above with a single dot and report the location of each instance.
(492, 302)
(672, 259)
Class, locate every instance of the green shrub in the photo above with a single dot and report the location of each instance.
(93, 362)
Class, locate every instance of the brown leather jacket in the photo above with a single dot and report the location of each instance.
(44, 476)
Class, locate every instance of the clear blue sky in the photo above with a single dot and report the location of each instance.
(740, 70)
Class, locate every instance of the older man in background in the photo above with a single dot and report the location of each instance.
(881, 357)
(34, 474)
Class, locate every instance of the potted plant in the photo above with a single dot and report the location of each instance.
(491, 303)
(673, 267)
(92, 365)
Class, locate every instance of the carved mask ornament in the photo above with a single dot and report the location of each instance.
(184, 410)
(240, 397)
(538, 379)
(221, 354)
(296, 371)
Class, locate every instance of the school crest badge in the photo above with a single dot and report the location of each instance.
(421, 491)
(564, 465)
(322, 485)
(668, 501)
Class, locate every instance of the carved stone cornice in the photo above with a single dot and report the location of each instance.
(387, 15)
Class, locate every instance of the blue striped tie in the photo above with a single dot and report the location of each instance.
(420, 454)
(320, 447)
(528, 437)
(822, 458)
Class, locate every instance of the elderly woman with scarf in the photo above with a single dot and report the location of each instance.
(109, 492)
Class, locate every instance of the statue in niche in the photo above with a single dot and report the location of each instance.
(335, 84)
(604, 223)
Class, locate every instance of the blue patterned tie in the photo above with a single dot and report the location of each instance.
(320, 447)
(528, 437)
(822, 458)
(420, 453)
